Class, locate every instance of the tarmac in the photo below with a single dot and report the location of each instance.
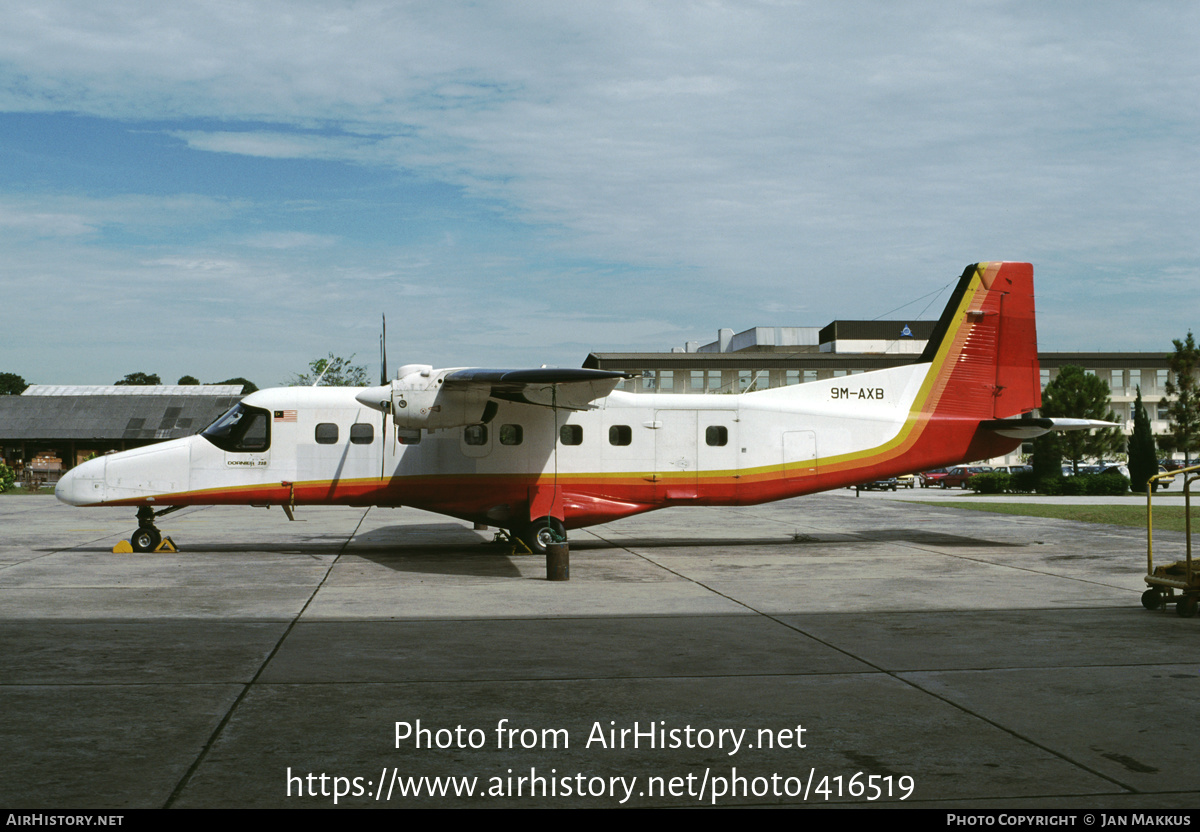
(824, 651)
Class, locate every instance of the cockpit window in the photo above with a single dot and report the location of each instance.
(240, 429)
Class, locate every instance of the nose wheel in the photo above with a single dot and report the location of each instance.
(147, 537)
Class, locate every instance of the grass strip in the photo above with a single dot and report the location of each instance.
(1166, 518)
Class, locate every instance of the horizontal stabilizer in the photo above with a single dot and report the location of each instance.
(1033, 428)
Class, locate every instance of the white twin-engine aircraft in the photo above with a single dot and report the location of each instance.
(538, 452)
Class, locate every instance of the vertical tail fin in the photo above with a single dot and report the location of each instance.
(984, 347)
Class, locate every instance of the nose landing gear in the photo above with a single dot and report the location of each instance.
(148, 537)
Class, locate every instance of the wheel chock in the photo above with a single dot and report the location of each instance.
(123, 548)
(167, 545)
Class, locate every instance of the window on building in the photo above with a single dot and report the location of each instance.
(810, 375)
(698, 381)
(1117, 382)
(362, 434)
(649, 381)
(511, 435)
(1163, 415)
(839, 373)
(327, 433)
(666, 381)
(1135, 381)
(1045, 378)
(1160, 380)
(745, 378)
(475, 434)
(571, 434)
(716, 435)
(714, 380)
(620, 435)
(791, 377)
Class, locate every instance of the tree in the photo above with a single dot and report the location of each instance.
(11, 384)
(332, 372)
(248, 386)
(188, 380)
(1143, 456)
(1047, 457)
(139, 379)
(1184, 410)
(1078, 394)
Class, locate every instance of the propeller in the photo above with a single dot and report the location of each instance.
(383, 379)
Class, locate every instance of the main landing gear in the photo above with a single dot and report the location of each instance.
(540, 533)
(147, 537)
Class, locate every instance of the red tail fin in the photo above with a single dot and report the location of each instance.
(984, 348)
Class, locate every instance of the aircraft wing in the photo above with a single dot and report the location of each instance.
(1032, 428)
(568, 388)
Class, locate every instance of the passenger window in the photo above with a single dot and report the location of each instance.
(620, 435)
(475, 435)
(327, 433)
(716, 435)
(511, 435)
(571, 434)
(362, 434)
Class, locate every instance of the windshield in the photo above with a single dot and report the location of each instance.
(240, 429)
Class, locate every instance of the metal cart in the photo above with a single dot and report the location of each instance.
(1175, 583)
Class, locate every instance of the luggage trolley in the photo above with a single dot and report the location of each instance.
(1176, 583)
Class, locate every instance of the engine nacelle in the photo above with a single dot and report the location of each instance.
(419, 400)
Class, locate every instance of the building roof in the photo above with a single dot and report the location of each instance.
(123, 416)
(133, 390)
(744, 359)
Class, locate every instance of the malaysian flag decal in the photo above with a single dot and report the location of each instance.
(285, 415)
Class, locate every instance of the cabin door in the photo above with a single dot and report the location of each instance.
(675, 460)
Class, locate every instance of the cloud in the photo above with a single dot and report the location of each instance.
(693, 158)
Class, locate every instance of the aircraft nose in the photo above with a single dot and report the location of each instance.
(82, 485)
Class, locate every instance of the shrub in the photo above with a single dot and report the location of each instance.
(1071, 486)
(7, 478)
(996, 483)
(1024, 482)
(1112, 484)
(1051, 486)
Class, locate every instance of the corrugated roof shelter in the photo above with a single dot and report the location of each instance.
(77, 422)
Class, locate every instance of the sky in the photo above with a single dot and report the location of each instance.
(233, 189)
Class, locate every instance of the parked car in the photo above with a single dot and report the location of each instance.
(907, 480)
(929, 479)
(878, 485)
(957, 477)
(1012, 469)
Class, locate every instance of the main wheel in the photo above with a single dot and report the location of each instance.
(542, 532)
(145, 539)
(1152, 599)
(1185, 607)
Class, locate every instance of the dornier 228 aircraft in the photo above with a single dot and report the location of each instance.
(541, 451)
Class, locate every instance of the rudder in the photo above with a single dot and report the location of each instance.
(984, 347)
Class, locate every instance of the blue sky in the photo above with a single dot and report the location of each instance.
(233, 189)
